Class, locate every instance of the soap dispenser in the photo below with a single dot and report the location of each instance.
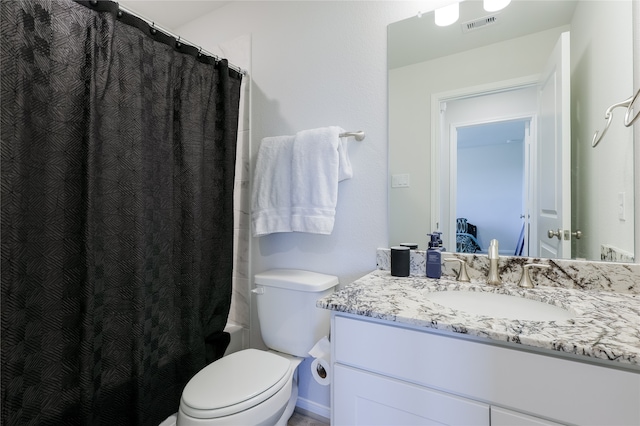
(434, 256)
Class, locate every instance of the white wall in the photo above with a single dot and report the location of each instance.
(601, 75)
(489, 194)
(316, 64)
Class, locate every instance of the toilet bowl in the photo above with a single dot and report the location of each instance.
(259, 387)
(250, 387)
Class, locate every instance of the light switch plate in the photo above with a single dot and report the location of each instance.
(621, 206)
(400, 180)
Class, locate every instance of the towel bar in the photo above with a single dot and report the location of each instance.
(359, 135)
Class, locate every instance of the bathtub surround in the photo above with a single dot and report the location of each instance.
(117, 215)
(238, 51)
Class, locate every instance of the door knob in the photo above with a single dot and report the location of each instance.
(560, 233)
(551, 233)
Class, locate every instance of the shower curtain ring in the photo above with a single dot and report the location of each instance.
(153, 28)
(178, 44)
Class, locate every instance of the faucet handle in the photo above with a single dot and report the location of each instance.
(462, 274)
(493, 250)
(525, 280)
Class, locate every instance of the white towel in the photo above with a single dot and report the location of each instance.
(271, 195)
(319, 162)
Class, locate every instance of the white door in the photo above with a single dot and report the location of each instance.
(553, 204)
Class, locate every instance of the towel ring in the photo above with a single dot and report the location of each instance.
(608, 115)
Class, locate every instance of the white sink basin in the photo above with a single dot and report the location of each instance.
(499, 305)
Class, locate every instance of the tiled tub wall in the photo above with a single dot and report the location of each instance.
(575, 274)
(238, 51)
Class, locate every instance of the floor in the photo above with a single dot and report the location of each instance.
(299, 419)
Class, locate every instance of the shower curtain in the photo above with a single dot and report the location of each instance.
(118, 153)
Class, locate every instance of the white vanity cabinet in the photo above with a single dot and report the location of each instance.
(364, 398)
(504, 417)
(388, 374)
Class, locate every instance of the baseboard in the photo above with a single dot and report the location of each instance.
(313, 410)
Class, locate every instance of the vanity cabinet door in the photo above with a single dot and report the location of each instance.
(504, 417)
(362, 398)
(556, 388)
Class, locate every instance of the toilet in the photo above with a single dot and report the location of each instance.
(259, 387)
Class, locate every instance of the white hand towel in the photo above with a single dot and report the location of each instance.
(319, 162)
(271, 194)
(344, 171)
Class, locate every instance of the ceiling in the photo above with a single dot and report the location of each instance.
(418, 39)
(171, 14)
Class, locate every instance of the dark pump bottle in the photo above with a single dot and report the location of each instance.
(434, 256)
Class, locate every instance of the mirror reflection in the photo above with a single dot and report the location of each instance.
(481, 145)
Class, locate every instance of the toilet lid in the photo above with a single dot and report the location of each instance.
(234, 379)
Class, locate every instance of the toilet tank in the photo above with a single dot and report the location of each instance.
(286, 299)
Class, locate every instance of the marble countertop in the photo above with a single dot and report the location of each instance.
(606, 325)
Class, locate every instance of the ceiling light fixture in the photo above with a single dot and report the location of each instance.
(495, 5)
(447, 15)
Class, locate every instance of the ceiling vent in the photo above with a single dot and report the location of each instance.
(476, 24)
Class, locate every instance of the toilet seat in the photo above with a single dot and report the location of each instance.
(216, 391)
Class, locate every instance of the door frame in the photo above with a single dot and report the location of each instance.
(440, 145)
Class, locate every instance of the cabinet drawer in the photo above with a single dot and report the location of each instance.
(362, 398)
(502, 417)
(555, 388)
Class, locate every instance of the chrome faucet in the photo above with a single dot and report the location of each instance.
(494, 277)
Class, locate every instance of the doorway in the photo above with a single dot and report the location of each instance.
(486, 141)
(491, 186)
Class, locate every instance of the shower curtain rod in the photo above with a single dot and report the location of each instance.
(179, 39)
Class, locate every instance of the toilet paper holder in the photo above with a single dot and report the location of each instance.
(321, 364)
(321, 371)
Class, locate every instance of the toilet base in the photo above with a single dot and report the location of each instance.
(291, 405)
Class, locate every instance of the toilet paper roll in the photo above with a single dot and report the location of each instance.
(321, 371)
(321, 364)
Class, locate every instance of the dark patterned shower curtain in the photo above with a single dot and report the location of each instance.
(118, 155)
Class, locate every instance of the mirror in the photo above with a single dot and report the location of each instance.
(471, 66)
